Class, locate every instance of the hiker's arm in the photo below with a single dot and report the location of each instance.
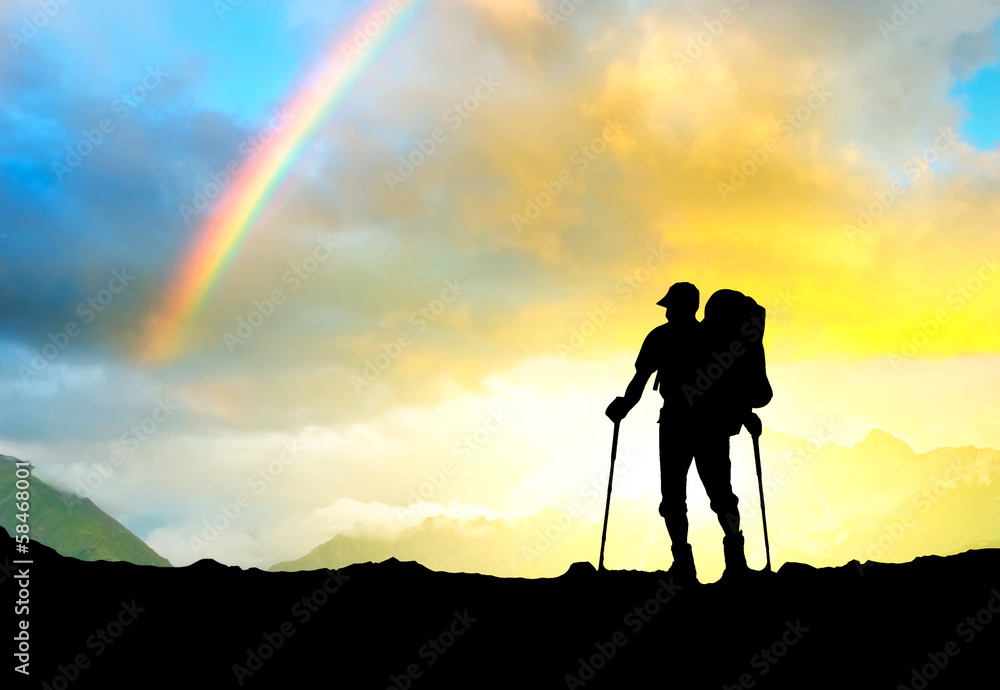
(644, 367)
(620, 407)
(635, 388)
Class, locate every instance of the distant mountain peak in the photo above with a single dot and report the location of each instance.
(878, 440)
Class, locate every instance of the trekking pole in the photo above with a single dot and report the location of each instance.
(607, 506)
(760, 486)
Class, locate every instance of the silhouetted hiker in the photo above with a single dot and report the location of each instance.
(695, 422)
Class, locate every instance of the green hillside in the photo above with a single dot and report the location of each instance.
(71, 525)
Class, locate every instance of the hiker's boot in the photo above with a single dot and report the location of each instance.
(682, 570)
(736, 560)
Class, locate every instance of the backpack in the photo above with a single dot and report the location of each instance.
(734, 333)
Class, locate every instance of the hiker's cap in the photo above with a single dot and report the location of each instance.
(680, 293)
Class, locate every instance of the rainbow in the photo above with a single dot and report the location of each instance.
(218, 242)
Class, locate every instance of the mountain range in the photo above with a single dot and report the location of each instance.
(826, 505)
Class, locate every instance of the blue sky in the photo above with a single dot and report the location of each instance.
(979, 94)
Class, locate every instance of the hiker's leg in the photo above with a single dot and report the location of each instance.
(715, 471)
(714, 468)
(676, 453)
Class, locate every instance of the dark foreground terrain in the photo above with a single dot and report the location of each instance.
(931, 623)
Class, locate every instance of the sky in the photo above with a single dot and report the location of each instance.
(453, 268)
